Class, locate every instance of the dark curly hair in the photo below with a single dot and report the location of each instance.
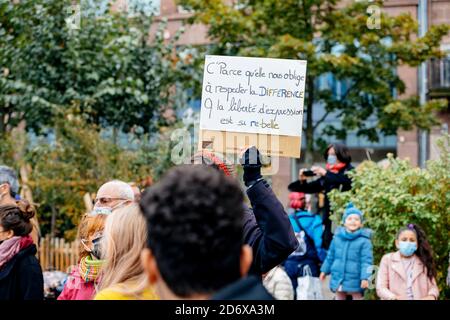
(424, 250)
(195, 220)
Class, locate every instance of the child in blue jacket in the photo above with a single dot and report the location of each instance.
(350, 257)
(308, 228)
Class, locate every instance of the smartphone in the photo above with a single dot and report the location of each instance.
(308, 173)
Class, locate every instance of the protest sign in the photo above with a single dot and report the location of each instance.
(252, 101)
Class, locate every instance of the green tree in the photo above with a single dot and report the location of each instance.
(339, 40)
(396, 194)
(110, 65)
(78, 160)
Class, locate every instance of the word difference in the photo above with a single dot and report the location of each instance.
(280, 93)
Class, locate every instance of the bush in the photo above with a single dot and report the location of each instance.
(398, 194)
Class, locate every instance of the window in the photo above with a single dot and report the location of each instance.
(149, 7)
(100, 7)
(94, 7)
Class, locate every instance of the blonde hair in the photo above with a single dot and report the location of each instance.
(124, 237)
(89, 225)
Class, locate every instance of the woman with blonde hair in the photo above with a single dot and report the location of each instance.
(123, 240)
(84, 278)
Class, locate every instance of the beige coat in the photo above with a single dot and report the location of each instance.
(391, 279)
(279, 285)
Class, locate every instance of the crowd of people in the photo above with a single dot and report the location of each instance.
(192, 236)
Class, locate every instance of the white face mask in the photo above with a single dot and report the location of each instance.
(107, 210)
(101, 210)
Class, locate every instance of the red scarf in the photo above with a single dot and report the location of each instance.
(335, 168)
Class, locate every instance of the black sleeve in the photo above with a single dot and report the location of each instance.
(267, 229)
(315, 186)
(31, 281)
(338, 179)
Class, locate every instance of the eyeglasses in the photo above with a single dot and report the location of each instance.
(106, 200)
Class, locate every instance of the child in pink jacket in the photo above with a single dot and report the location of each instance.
(409, 273)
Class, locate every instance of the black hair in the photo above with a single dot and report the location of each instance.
(424, 250)
(17, 218)
(342, 152)
(195, 228)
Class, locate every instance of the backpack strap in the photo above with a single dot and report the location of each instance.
(297, 222)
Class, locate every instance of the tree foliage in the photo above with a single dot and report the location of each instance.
(110, 65)
(337, 40)
(78, 160)
(397, 194)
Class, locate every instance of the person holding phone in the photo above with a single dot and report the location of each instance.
(333, 176)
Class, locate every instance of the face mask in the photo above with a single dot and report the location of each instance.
(106, 210)
(331, 159)
(101, 210)
(96, 251)
(407, 248)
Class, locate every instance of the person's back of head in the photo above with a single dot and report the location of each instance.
(195, 239)
(124, 237)
(16, 219)
(297, 200)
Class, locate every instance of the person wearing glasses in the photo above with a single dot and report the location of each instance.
(113, 195)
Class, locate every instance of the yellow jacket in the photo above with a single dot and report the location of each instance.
(115, 293)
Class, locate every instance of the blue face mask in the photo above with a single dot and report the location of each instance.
(332, 159)
(407, 248)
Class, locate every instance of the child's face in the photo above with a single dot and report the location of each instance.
(406, 236)
(353, 222)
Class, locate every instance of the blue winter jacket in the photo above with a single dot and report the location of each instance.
(312, 224)
(349, 259)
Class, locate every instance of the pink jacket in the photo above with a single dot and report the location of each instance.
(77, 289)
(391, 279)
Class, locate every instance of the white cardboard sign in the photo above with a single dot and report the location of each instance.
(253, 95)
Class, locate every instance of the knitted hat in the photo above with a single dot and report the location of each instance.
(351, 209)
(297, 200)
(214, 159)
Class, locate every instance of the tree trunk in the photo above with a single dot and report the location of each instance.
(53, 221)
(309, 134)
(2, 124)
(114, 135)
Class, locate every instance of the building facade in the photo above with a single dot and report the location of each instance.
(406, 144)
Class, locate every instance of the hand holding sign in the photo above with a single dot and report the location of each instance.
(251, 162)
